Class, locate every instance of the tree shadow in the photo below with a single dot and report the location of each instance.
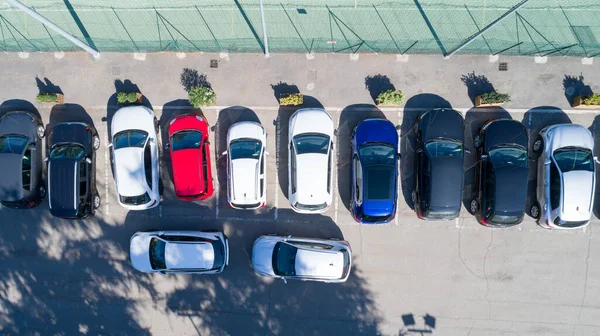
(350, 117)
(476, 85)
(282, 128)
(269, 306)
(414, 107)
(534, 120)
(191, 78)
(378, 84)
(282, 88)
(475, 118)
(12, 105)
(47, 86)
(574, 86)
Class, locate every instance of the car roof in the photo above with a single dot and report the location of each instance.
(63, 187)
(200, 255)
(130, 176)
(11, 181)
(311, 178)
(446, 182)
(577, 195)
(510, 189)
(322, 264)
(244, 181)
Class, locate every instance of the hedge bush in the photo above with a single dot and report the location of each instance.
(390, 98)
(202, 96)
(47, 97)
(127, 97)
(291, 99)
(494, 98)
(594, 99)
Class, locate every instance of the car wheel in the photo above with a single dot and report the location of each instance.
(42, 191)
(40, 130)
(96, 201)
(156, 128)
(477, 141)
(535, 211)
(538, 145)
(474, 206)
(96, 142)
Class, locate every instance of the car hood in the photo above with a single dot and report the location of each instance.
(505, 132)
(139, 252)
(11, 181)
(446, 182)
(245, 180)
(442, 123)
(578, 188)
(130, 177)
(376, 130)
(511, 189)
(133, 117)
(189, 256)
(245, 129)
(311, 178)
(262, 255)
(188, 174)
(310, 121)
(78, 133)
(18, 123)
(570, 135)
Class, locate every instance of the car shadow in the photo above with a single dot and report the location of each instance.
(12, 105)
(595, 129)
(350, 117)
(282, 128)
(414, 106)
(534, 120)
(475, 118)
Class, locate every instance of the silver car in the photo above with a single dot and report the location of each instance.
(306, 259)
(566, 177)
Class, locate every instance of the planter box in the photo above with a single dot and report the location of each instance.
(138, 101)
(284, 95)
(478, 103)
(60, 99)
(578, 103)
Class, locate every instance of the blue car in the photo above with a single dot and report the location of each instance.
(374, 171)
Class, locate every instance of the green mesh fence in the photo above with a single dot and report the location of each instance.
(540, 27)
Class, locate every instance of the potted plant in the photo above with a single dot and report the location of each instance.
(390, 98)
(51, 98)
(590, 102)
(491, 99)
(291, 99)
(202, 96)
(129, 98)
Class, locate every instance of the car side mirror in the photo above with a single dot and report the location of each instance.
(224, 153)
(284, 280)
(46, 159)
(267, 153)
(484, 157)
(596, 160)
(167, 145)
(287, 238)
(547, 162)
(468, 151)
(109, 144)
(419, 150)
(88, 160)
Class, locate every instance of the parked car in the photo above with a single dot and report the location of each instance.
(21, 184)
(180, 252)
(246, 165)
(310, 160)
(374, 171)
(439, 164)
(306, 259)
(72, 170)
(190, 157)
(566, 177)
(135, 157)
(501, 173)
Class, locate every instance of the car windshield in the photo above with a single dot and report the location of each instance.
(376, 153)
(573, 158)
(378, 182)
(130, 138)
(284, 259)
(157, 254)
(439, 148)
(186, 140)
(135, 200)
(68, 151)
(245, 149)
(311, 143)
(14, 144)
(508, 156)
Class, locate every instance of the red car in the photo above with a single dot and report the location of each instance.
(190, 157)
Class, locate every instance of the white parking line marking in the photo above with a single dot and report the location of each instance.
(335, 174)
(277, 148)
(215, 173)
(106, 168)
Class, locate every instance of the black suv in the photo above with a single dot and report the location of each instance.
(72, 170)
(439, 164)
(501, 173)
(21, 184)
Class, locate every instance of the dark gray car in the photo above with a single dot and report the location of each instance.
(439, 164)
(21, 184)
(72, 170)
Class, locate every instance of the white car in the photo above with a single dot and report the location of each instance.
(310, 160)
(566, 177)
(182, 252)
(246, 165)
(307, 259)
(135, 157)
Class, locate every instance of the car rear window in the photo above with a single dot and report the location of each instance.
(311, 143)
(157, 254)
(379, 182)
(186, 140)
(130, 138)
(284, 259)
(14, 144)
(245, 149)
(135, 200)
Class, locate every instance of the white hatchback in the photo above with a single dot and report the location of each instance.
(566, 177)
(135, 157)
(306, 259)
(310, 160)
(246, 165)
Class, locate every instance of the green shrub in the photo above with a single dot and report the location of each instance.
(47, 97)
(291, 99)
(202, 96)
(390, 98)
(127, 97)
(594, 99)
(494, 98)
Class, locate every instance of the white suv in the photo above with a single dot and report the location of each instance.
(310, 160)
(566, 177)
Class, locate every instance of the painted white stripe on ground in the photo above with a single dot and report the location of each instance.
(336, 203)
(277, 148)
(215, 173)
(106, 168)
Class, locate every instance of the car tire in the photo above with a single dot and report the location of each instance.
(538, 146)
(535, 210)
(42, 191)
(156, 126)
(95, 142)
(96, 201)
(474, 206)
(477, 141)
(40, 131)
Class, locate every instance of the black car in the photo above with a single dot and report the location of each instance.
(72, 170)
(439, 164)
(501, 173)
(21, 184)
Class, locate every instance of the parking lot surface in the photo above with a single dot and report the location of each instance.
(409, 277)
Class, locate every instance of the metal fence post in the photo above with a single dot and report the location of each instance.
(262, 17)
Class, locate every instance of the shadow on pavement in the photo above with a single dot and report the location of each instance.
(18, 105)
(574, 86)
(476, 85)
(378, 84)
(595, 129)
